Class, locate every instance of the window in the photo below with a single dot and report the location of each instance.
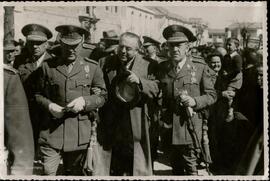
(145, 16)
(107, 8)
(115, 8)
(132, 12)
(140, 14)
(87, 10)
(210, 36)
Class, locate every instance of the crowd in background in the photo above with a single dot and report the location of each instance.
(231, 128)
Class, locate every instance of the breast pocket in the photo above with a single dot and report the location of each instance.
(192, 86)
(84, 86)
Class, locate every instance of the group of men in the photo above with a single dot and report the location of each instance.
(71, 87)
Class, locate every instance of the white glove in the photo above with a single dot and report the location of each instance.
(77, 104)
(188, 101)
(56, 110)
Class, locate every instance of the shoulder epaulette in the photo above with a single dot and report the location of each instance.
(88, 46)
(90, 60)
(10, 69)
(197, 59)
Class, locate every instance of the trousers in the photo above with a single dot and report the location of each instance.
(71, 161)
(183, 160)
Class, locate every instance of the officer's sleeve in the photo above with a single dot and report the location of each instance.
(18, 129)
(96, 101)
(41, 92)
(209, 95)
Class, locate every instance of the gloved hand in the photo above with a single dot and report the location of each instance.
(56, 110)
(77, 105)
(96, 90)
(188, 101)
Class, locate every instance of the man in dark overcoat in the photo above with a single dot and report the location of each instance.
(125, 123)
(64, 91)
(186, 83)
(18, 132)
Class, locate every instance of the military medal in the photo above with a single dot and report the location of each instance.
(86, 69)
(193, 75)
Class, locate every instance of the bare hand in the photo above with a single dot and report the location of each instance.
(133, 78)
(228, 94)
(188, 101)
(56, 110)
(77, 104)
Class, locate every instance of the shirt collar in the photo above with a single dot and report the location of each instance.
(40, 60)
(182, 63)
(233, 54)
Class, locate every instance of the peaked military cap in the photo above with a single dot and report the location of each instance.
(150, 41)
(9, 45)
(71, 34)
(36, 32)
(178, 33)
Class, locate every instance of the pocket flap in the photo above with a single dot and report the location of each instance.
(83, 83)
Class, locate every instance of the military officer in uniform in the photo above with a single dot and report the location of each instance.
(86, 47)
(64, 92)
(151, 47)
(37, 37)
(18, 130)
(186, 85)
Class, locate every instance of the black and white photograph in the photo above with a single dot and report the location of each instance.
(134, 90)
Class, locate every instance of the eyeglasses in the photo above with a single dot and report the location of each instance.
(177, 44)
(32, 43)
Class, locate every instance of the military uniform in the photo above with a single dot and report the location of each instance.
(195, 78)
(18, 130)
(27, 72)
(69, 135)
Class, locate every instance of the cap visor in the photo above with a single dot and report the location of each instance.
(8, 48)
(36, 38)
(147, 44)
(177, 39)
(71, 41)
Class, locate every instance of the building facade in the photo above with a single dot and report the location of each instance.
(142, 20)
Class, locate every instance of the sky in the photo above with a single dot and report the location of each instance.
(219, 16)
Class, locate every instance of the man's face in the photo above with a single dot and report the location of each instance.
(177, 50)
(150, 50)
(215, 63)
(37, 48)
(9, 56)
(231, 47)
(18, 50)
(69, 52)
(127, 49)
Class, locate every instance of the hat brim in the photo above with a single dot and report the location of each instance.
(177, 39)
(147, 44)
(9, 48)
(110, 39)
(127, 92)
(111, 48)
(68, 41)
(36, 38)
